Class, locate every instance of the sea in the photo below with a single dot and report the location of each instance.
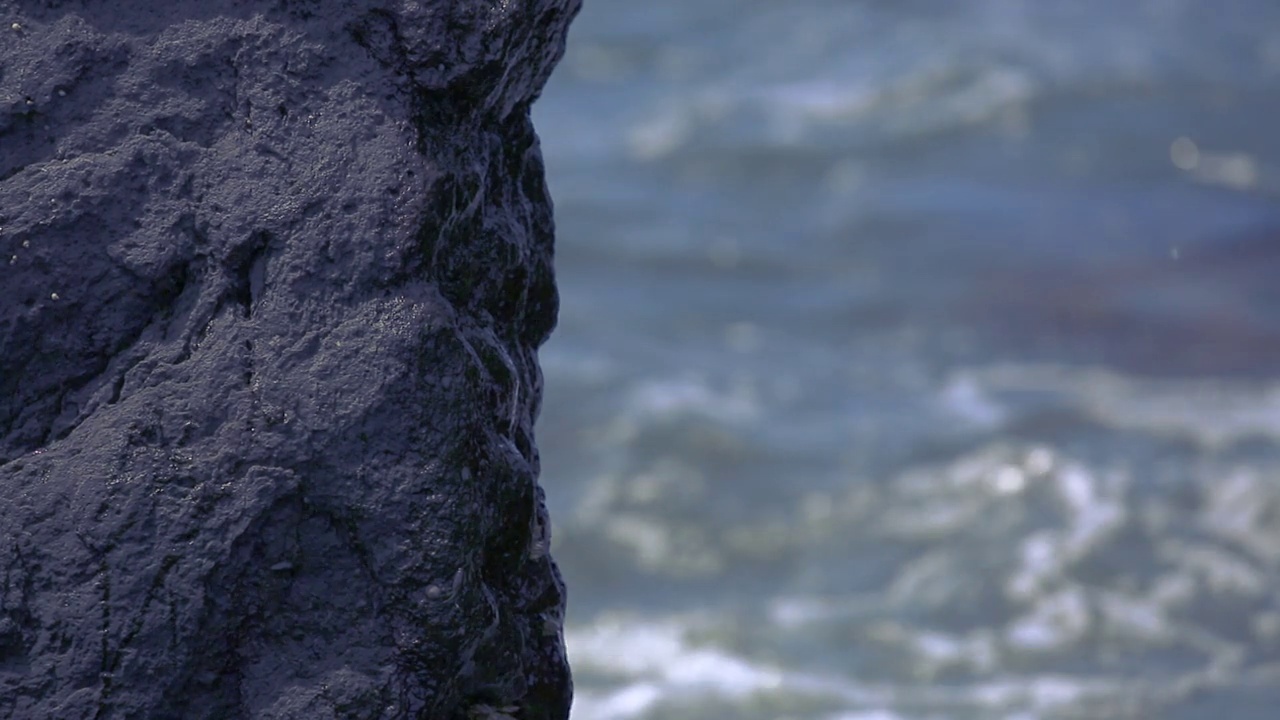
(917, 359)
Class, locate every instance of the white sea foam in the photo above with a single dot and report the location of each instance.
(965, 397)
(653, 668)
(654, 662)
(694, 396)
(1213, 412)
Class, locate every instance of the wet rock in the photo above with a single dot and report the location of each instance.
(272, 281)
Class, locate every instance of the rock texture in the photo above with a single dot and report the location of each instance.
(272, 280)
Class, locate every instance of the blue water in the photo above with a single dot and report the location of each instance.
(917, 359)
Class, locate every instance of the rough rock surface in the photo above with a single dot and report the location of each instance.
(272, 280)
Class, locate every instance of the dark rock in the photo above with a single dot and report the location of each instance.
(272, 281)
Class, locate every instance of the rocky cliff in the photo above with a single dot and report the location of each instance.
(272, 280)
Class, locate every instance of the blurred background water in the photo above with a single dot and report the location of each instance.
(917, 359)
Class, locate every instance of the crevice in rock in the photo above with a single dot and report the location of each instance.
(246, 267)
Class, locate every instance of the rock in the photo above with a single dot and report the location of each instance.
(273, 277)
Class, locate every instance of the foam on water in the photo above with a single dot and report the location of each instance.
(653, 670)
(1212, 412)
(890, 70)
(1060, 621)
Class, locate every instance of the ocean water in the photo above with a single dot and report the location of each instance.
(917, 359)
